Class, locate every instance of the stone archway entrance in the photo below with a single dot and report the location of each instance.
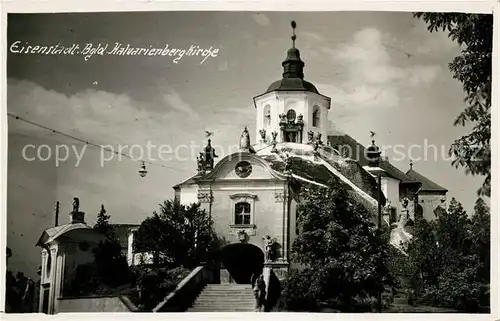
(242, 260)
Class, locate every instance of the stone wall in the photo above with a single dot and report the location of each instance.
(97, 304)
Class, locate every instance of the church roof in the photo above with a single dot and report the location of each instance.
(189, 181)
(427, 184)
(292, 84)
(322, 169)
(358, 152)
(293, 72)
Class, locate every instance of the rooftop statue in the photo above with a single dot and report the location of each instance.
(76, 204)
(245, 141)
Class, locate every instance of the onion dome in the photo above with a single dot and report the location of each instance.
(293, 72)
(373, 154)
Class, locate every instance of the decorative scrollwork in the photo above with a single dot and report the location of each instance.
(205, 196)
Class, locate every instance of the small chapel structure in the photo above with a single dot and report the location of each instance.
(252, 195)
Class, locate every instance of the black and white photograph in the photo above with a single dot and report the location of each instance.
(246, 161)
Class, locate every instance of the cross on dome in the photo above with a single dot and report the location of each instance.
(294, 36)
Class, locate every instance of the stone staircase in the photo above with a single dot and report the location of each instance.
(225, 298)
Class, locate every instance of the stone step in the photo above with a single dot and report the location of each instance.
(224, 294)
(233, 303)
(237, 286)
(225, 304)
(228, 288)
(226, 299)
(220, 310)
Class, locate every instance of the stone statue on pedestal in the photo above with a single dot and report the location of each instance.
(76, 205)
(269, 248)
(274, 135)
(262, 133)
(245, 141)
(310, 137)
(209, 156)
(200, 163)
(318, 138)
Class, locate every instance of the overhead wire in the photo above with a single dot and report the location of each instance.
(87, 142)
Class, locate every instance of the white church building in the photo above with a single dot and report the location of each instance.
(252, 195)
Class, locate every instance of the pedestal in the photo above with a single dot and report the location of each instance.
(279, 268)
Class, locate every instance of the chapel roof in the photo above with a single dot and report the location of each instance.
(53, 233)
(427, 184)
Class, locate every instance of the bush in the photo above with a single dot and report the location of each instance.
(298, 294)
(154, 284)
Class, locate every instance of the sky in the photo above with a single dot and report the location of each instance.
(383, 71)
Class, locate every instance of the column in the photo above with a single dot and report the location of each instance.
(42, 277)
(59, 277)
(130, 248)
(52, 290)
(281, 221)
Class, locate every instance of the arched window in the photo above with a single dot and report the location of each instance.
(316, 117)
(291, 115)
(267, 116)
(242, 212)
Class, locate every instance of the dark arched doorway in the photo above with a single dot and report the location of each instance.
(241, 261)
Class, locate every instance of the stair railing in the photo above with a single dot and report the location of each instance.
(186, 292)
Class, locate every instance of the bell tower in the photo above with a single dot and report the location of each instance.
(291, 108)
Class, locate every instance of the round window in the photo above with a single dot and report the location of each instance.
(243, 169)
(291, 115)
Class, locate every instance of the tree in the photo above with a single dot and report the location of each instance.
(178, 235)
(340, 251)
(111, 263)
(422, 255)
(474, 33)
(450, 259)
(102, 224)
(179, 238)
(480, 234)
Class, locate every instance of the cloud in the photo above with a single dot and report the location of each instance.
(222, 66)
(261, 19)
(99, 116)
(310, 36)
(432, 44)
(375, 74)
(175, 101)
